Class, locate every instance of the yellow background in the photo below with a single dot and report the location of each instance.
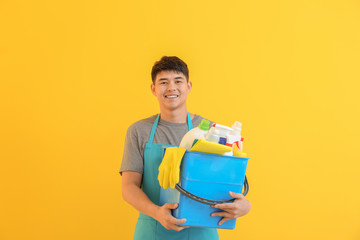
(75, 74)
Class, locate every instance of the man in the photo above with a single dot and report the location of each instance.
(143, 154)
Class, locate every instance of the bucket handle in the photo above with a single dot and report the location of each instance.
(208, 201)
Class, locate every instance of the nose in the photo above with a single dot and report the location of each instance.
(171, 86)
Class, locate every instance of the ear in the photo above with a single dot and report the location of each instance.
(152, 87)
(189, 85)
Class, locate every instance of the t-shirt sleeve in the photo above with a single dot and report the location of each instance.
(133, 155)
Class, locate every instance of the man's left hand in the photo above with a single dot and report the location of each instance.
(239, 207)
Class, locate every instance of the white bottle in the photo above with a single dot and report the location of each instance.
(231, 139)
(237, 127)
(223, 130)
(196, 133)
(238, 140)
(213, 135)
(234, 136)
(236, 132)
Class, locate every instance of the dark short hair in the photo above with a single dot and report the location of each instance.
(171, 63)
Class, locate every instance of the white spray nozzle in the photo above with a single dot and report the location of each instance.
(237, 125)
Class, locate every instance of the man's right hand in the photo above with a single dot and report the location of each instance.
(167, 220)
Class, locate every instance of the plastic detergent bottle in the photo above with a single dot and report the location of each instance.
(234, 136)
(213, 135)
(221, 133)
(223, 130)
(196, 133)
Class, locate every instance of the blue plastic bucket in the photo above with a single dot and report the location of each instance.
(205, 176)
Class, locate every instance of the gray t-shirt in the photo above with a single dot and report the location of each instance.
(138, 134)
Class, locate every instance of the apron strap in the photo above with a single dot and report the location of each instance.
(190, 126)
(153, 129)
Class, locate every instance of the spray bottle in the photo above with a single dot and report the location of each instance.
(223, 132)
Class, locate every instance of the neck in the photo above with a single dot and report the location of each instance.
(175, 116)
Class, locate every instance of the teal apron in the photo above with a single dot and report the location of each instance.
(148, 228)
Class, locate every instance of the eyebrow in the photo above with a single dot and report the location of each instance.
(163, 79)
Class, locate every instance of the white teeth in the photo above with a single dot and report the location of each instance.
(171, 96)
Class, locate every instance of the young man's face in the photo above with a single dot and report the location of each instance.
(171, 89)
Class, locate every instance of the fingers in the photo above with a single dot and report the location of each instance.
(177, 228)
(168, 221)
(174, 222)
(171, 180)
(236, 195)
(171, 205)
(226, 216)
(223, 220)
(224, 206)
(175, 169)
(222, 214)
(165, 180)
(161, 176)
(175, 175)
(177, 221)
(231, 205)
(171, 225)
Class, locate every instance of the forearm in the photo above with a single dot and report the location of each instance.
(139, 200)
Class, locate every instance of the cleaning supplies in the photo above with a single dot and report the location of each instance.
(240, 145)
(206, 179)
(222, 140)
(210, 147)
(169, 169)
(223, 132)
(195, 133)
(234, 136)
(237, 152)
(213, 135)
(219, 132)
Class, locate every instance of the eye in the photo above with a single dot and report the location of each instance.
(163, 83)
(178, 81)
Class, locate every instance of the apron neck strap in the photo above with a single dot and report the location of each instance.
(153, 129)
(190, 126)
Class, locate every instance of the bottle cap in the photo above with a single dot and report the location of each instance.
(204, 125)
(237, 125)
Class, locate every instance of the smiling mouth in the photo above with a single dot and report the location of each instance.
(172, 96)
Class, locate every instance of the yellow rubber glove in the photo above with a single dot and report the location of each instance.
(169, 169)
